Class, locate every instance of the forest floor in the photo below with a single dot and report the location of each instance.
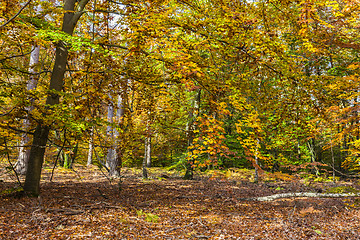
(87, 205)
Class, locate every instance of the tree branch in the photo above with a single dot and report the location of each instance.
(124, 4)
(80, 11)
(14, 56)
(82, 5)
(17, 14)
(108, 11)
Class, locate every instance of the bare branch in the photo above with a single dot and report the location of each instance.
(14, 56)
(80, 11)
(17, 14)
(82, 5)
(110, 12)
(11, 165)
(124, 4)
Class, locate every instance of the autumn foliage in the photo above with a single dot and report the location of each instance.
(271, 85)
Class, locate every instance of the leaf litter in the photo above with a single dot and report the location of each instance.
(87, 205)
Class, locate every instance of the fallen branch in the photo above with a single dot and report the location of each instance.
(301, 194)
(65, 211)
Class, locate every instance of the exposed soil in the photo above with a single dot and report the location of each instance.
(86, 205)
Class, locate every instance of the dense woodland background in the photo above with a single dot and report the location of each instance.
(191, 85)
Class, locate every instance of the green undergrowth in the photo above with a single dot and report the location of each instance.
(149, 217)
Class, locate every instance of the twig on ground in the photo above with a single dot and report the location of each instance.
(66, 211)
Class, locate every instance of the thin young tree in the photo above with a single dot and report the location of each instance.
(24, 150)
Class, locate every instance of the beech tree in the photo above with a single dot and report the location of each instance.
(72, 13)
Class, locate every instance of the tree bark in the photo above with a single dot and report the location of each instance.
(256, 174)
(147, 146)
(147, 157)
(91, 146)
(148, 151)
(36, 158)
(24, 151)
(110, 133)
(113, 159)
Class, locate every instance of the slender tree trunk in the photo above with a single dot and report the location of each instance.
(91, 146)
(24, 151)
(144, 170)
(110, 133)
(190, 137)
(147, 147)
(147, 156)
(91, 140)
(148, 151)
(311, 146)
(256, 175)
(113, 160)
(333, 163)
(36, 157)
(189, 174)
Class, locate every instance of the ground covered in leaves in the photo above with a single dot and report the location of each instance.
(87, 205)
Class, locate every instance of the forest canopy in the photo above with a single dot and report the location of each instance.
(189, 84)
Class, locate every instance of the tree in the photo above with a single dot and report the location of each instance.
(24, 151)
(73, 11)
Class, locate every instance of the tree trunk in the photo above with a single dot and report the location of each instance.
(147, 156)
(110, 133)
(189, 174)
(311, 146)
(256, 174)
(36, 158)
(144, 170)
(91, 146)
(24, 151)
(113, 159)
(148, 151)
(189, 163)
